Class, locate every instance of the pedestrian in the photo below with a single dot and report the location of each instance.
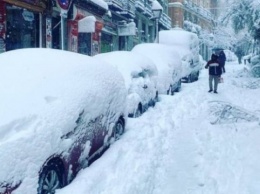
(215, 72)
(222, 60)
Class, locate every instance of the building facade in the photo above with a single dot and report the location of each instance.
(21, 24)
(84, 26)
(197, 16)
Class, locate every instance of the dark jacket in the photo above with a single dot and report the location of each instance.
(222, 58)
(213, 65)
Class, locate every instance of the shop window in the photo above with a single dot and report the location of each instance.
(84, 43)
(106, 43)
(56, 33)
(22, 30)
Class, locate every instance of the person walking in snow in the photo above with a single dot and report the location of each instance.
(215, 72)
(222, 60)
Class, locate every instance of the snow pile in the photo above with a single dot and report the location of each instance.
(230, 56)
(223, 112)
(173, 147)
(101, 3)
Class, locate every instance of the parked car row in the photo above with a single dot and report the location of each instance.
(60, 110)
(187, 45)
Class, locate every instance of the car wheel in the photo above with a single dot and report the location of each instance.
(152, 103)
(50, 179)
(157, 97)
(190, 78)
(198, 74)
(170, 91)
(138, 111)
(178, 87)
(119, 129)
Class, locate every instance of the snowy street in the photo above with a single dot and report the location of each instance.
(194, 142)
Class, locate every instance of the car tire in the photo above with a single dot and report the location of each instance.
(197, 76)
(119, 129)
(190, 79)
(138, 111)
(170, 91)
(50, 179)
(178, 89)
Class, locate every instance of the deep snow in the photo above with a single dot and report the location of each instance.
(194, 142)
(41, 100)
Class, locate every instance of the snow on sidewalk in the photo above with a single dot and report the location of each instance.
(194, 142)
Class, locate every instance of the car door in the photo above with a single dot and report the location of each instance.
(86, 140)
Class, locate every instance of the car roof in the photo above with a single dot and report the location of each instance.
(129, 64)
(38, 82)
(164, 56)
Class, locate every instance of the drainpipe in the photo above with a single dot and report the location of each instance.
(40, 30)
(63, 15)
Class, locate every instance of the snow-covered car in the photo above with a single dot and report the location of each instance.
(168, 63)
(59, 110)
(254, 66)
(140, 76)
(187, 45)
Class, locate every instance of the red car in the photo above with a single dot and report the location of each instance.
(59, 111)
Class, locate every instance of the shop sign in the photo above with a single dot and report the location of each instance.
(48, 33)
(79, 14)
(64, 4)
(73, 36)
(28, 16)
(98, 26)
(96, 36)
(2, 27)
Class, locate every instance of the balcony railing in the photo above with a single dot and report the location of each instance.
(139, 4)
(202, 12)
(115, 4)
(128, 8)
(148, 9)
(165, 20)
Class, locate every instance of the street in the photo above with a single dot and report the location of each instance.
(194, 142)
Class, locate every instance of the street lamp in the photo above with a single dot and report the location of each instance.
(157, 12)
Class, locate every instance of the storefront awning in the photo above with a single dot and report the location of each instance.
(38, 6)
(87, 24)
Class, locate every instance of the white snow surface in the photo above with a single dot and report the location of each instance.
(129, 64)
(167, 60)
(191, 143)
(101, 3)
(156, 5)
(42, 93)
(186, 44)
(87, 24)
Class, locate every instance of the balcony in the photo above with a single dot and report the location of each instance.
(128, 8)
(139, 5)
(148, 10)
(115, 5)
(165, 20)
(200, 11)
